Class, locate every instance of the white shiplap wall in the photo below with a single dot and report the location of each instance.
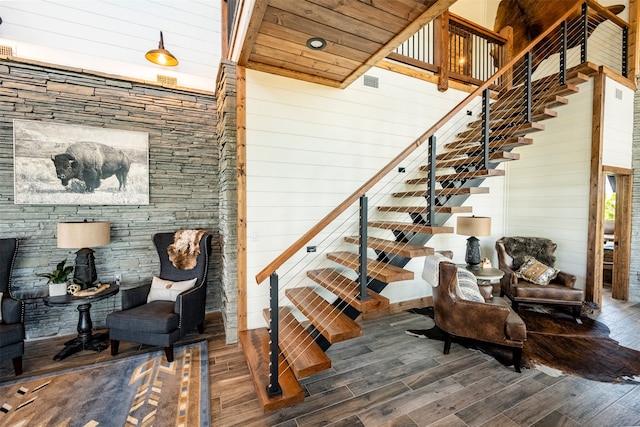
(547, 190)
(113, 36)
(618, 125)
(310, 146)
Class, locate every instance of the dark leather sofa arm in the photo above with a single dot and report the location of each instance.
(565, 279)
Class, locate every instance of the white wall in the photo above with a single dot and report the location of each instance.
(113, 36)
(309, 147)
(618, 125)
(547, 190)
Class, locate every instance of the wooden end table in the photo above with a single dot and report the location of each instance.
(85, 339)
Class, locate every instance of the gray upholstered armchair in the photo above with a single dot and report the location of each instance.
(12, 313)
(161, 312)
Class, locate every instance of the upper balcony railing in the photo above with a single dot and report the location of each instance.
(456, 48)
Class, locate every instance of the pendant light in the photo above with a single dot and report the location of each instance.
(161, 56)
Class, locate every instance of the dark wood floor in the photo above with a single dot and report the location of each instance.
(387, 378)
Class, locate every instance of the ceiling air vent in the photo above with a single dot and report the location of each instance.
(371, 81)
(6, 50)
(167, 80)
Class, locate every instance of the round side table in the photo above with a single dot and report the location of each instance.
(85, 339)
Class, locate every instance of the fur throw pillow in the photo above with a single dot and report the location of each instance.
(538, 247)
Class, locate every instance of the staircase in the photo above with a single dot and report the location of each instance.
(464, 160)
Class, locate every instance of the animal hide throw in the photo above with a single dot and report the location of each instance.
(540, 248)
(184, 250)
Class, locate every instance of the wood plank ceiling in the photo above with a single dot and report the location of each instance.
(359, 33)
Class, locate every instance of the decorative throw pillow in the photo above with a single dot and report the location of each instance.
(536, 272)
(166, 290)
(430, 272)
(467, 286)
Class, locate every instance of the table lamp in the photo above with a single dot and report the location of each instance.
(473, 226)
(84, 235)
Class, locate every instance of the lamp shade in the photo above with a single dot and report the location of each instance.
(161, 56)
(473, 226)
(83, 234)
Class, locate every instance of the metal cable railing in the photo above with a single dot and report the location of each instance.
(462, 128)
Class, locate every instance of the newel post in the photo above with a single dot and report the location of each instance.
(273, 388)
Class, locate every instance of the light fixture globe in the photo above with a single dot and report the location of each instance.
(161, 56)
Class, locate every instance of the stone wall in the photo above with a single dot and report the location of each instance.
(226, 126)
(183, 174)
(634, 273)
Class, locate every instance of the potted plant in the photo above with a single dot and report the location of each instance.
(57, 279)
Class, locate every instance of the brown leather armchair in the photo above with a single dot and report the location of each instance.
(560, 290)
(493, 322)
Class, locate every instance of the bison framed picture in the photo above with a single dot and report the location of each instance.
(64, 164)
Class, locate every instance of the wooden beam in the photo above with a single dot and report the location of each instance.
(241, 177)
(251, 28)
(595, 248)
(441, 50)
(427, 16)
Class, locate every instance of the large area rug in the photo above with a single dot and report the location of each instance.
(141, 390)
(556, 341)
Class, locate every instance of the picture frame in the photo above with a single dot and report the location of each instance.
(64, 164)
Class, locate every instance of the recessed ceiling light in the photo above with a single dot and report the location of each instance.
(316, 43)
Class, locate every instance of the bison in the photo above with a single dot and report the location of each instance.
(91, 162)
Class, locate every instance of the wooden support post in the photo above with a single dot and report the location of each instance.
(441, 50)
(507, 55)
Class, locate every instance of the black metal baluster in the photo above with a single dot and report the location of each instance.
(431, 184)
(585, 33)
(527, 87)
(485, 128)
(563, 53)
(273, 388)
(625, 51)
(362, 274)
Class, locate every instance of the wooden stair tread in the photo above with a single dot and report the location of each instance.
(515, 130)
(459, 148)
(425, 209)
(301, 351)
(348, 290)
(406, 250)
(382, 271)
(334, 325)
(504, 117)
(500, 156)
(481, 173)
(255, 344)
(540, 87)
(549, 101)
(444, 192)
(407, 226)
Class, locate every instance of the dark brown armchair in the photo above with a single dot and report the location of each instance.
(560, 290)
(493, 322)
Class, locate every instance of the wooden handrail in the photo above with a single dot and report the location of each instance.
(331, 216)
(477, 29)
(607, 14)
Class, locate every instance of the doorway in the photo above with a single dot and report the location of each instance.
(616, 228)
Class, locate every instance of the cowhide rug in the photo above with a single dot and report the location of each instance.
(555, 340)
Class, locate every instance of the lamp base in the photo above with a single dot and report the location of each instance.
(472, 256)
(84, 273)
